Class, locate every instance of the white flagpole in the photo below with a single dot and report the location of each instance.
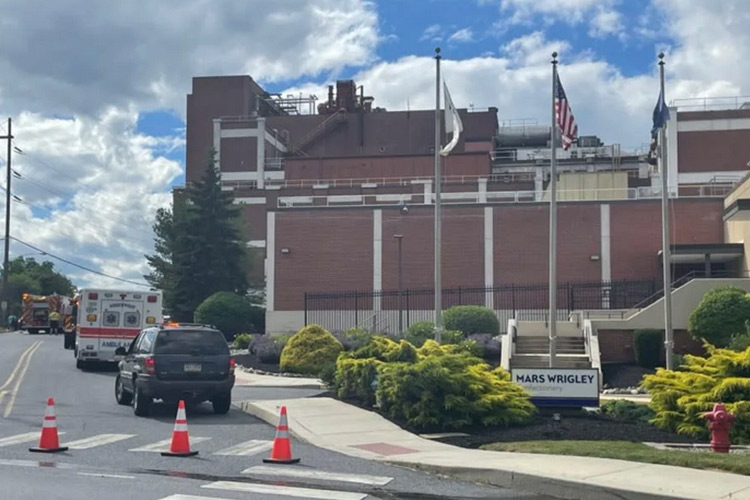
(553, 224)
(666, 252)
(438, 214)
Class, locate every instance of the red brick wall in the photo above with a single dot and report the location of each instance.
(417, 248)
(374, 167)
(239, 154)
(254, 218)
(616, 346)
(713, 150)
(330, 251)
(636, 232)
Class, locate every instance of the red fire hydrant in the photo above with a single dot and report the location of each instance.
(721, 423)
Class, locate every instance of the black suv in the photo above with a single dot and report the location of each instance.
(172, 362)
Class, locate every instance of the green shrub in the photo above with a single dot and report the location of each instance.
(720, 315)
(680, 398)
(471, 319)
(741, 341)
(627, 411)
(420, 332)
(354, 338)
(354, 378)
(649, 345)
(384, 349)
(309, 350)
(242, 341)
(227, 311)
(327, 375)
(267, 348)
(450, 390)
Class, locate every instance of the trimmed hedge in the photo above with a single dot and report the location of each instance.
(310, 350)
(227, 311)
(648, 347)
(471, 319)
(720, 315)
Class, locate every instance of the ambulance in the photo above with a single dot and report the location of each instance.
(108, 319)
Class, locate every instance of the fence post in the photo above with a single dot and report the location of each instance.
(356, 309)
(459, 297)
(305, 308)
(407, 309)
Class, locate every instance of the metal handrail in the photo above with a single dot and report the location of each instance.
(402, 181)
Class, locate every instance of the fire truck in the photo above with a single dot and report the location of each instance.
(108, 319)
(36, 311)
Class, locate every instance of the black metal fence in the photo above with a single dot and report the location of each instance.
(393, 311)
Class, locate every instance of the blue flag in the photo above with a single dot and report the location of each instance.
(661, 114)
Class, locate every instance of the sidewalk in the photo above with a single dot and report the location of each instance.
(333, 425)
(246, 379)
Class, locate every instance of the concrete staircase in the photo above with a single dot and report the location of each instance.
(533, 352)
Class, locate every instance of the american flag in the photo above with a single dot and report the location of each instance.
(564, 115)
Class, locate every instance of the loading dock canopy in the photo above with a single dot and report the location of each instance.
(702, 253)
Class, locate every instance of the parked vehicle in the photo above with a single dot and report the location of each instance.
(176, 361)
(35, 316)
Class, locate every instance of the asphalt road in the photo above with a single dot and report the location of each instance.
(114, 454)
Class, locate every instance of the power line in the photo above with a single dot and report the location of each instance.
(88, 269)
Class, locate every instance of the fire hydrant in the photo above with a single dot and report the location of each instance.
(721, 423)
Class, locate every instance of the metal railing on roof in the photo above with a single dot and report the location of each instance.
(711, 103)
(399, 181)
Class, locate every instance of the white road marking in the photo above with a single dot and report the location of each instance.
(289, 491)
(180, 496)
(164, 445)
(266, 470)
(22, 438)
(98, 474)
(247, 448)
(98, 440)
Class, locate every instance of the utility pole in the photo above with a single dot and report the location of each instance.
(4, 295)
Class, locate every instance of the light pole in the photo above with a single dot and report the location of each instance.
(399, 238)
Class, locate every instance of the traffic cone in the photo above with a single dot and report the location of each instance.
(282, 446)
(49, 442)
(180, 441)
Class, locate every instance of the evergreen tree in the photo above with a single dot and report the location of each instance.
(199, 249)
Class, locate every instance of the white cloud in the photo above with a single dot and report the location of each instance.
(601, 15)
(432, 33)
(533, 49)
(463, 35)
(606, 22)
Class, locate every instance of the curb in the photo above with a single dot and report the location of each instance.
(531, 483)
(261, 386)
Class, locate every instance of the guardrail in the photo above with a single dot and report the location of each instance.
(401, 181)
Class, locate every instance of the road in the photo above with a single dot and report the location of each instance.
(113, 453)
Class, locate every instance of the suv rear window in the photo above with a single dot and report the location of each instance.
(209, 342)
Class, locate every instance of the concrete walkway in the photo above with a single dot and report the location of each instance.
(246, 379)
(331, 424)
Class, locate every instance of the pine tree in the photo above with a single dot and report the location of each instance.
(199, 249)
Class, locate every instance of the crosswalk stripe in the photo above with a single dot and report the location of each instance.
(98, 440)
(247, 448)
(180, 496)
(265, 470)
(164, 445)
(21, 438)
(289, 491)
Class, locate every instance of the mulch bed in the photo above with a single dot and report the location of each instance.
(250, 361)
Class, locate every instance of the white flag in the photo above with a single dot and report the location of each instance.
(452, 123)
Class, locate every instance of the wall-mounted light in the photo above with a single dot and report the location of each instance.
(594, 257)
(285, 250)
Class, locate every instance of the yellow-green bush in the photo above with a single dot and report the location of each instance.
(310, 350)
(450, 390)
(680, 398)
(434, 387)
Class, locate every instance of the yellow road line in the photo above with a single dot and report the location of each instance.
(23, 361)
(18, 365)
(21, 375)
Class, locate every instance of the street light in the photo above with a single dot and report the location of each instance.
(399, 238)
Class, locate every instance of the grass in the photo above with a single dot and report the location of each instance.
(635, 452)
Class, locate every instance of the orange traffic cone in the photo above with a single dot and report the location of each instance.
(282, 446)
(180, 441)
(49, 442)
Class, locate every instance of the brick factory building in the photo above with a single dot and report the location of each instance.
(337, 192)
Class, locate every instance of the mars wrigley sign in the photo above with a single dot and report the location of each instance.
(559, 387)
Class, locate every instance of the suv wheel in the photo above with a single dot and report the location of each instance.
(79, 364)
(122, 396)
(141, 402)
(222, 403)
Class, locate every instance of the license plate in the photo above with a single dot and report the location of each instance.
(193, 367)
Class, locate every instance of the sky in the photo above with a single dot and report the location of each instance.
(96, 90)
